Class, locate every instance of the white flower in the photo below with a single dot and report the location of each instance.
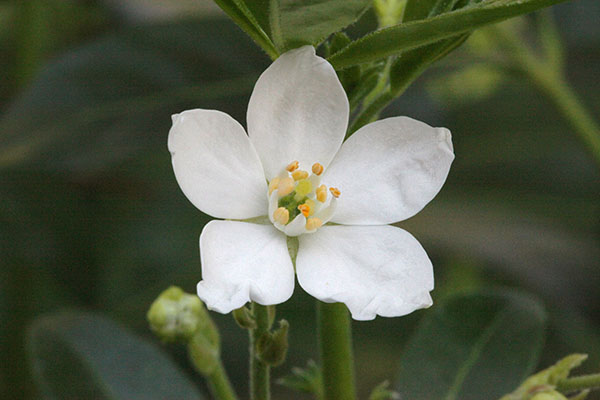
(386, 172)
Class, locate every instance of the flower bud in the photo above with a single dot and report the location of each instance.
(244, 318)
(177, 316)
(552, 395)
(271, 347)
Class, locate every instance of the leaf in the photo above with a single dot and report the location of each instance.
(311, 21)
(482, 343)
(85, 356)
(245, 19)
(410, 35)
(106, 101)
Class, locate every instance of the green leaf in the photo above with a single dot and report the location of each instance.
(245, 19)
(108, 100)
(311, 21)
(85, 356)
(410, 35)
(483, 343)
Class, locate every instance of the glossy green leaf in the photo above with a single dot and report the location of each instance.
(484, 343)
(84, 356)
(106, 101)
(410, 35)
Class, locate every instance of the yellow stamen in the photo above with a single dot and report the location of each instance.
(322, 193)
(286, 185)
(273, 184)
(292, 166)
(335, 192)
(304, 209)
(281, 215)
(313, 223)
(317, 169)
(299, 174)
(311, 204)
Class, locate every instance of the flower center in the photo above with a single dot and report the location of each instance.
(298, 202)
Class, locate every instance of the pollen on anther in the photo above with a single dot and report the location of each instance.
(304, 209)
(313, 223)
(335, 192)
(317, 169)
(299, 174)
(292, 166)
(273, 184)
(322, 193)
(281, 215)
(286, 185)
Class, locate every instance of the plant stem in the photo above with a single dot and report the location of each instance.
(335, 339)
(259, 371)
(219, 384)
(579, 383)
(551, 82)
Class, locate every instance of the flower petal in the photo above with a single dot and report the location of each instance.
(389, 170)
(374, 270)
(241, 262)
(216, 166)
(298, 111)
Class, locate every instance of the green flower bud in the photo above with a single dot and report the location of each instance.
(544, 382)
(271, 347)
(389, 12)
(176, 315)
(244, 318)
(552, 395)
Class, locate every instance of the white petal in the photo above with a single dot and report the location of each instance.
(389, 170)
(297, 226)
(374, 270)
(298, 111)
(242, 262)
(216, 166)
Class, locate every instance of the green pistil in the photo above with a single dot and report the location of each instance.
(291, 204)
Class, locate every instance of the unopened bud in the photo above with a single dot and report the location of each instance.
(271, 347)
(244, 318)
(552, 395)
(176, 315)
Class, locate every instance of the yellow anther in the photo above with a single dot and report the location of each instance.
(273, 184)
(281, 215)
(299, 174)
(304, 209)
(322, 193)
(317, 169)
(286, 185)
(292, 166)
(313, 223)
(335, 192)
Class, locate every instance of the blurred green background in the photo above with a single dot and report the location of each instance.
(92, 218)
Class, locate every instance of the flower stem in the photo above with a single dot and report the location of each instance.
(219, 384)
(335, 339)
(259, 371)
(579, 383)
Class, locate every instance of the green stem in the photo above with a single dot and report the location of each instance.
(335, 338)
(259, 371)
(579, 383)
(551, 82)
(219, 384)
